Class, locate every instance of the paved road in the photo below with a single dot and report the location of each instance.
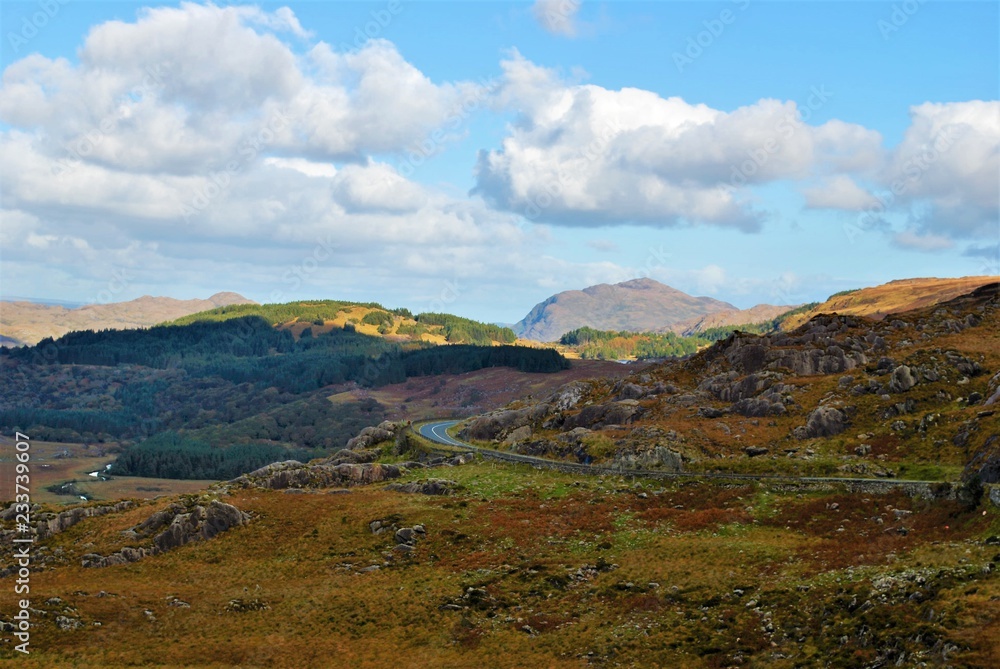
(437, 432)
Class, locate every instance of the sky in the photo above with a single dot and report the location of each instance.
(478, 157)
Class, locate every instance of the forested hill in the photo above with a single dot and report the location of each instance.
(248, 349)
(321, 316)
(221, 382)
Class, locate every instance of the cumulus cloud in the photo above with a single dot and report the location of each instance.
(950, 159)
(585, 155)
(196, 137)
(183, 89)
(839, 192)
(557, 16)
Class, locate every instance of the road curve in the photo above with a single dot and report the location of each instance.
(437, 431)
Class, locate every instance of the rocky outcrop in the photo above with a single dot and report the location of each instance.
(823, 422)
(518, 434)
(568, 396)
(730, 387)
(657, 458)
(597, 416)
(428, 487)
(317, 474)
(759, 407)
(497, 424)
(47, 524)
(993, 391)
(372, 436)
(174, 526)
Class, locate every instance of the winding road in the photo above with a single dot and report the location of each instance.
(437, 431)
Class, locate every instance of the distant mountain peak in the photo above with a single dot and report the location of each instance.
(643, 283)
(638, 305)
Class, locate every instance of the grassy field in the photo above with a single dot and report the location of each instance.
(523, 568)
(892, 298)
(55, 464)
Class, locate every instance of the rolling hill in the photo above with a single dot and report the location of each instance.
(894, 297)
(27, 323)
(760, 313)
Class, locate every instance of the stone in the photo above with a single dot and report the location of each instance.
(428, 487)
(67, 624)
(518, 434)
(902, 379)
(823, 422)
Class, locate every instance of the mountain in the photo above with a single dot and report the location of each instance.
(909, 396)
(639, 305)
(431, 558)
(892, 298)
(29, 322)
(761, 313)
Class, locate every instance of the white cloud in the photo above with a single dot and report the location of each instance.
(195, 136)
(308, 167)
(839, 192)
(557, 16)
(586, 155)
(183, 89)
(950, 158)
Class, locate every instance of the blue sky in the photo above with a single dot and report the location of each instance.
(837, 100)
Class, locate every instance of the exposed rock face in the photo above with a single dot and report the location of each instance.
(816, 349)
(759, 407)
(823, 422)
(429, 487)
(318, 474)
(902, 379)
(601, 415)
(172, 527)
(48, 524)
(568, 396)
(199, 523)
(518, 434)
(371, 436)
(497, 424)
(993, 391)
(658, 457)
